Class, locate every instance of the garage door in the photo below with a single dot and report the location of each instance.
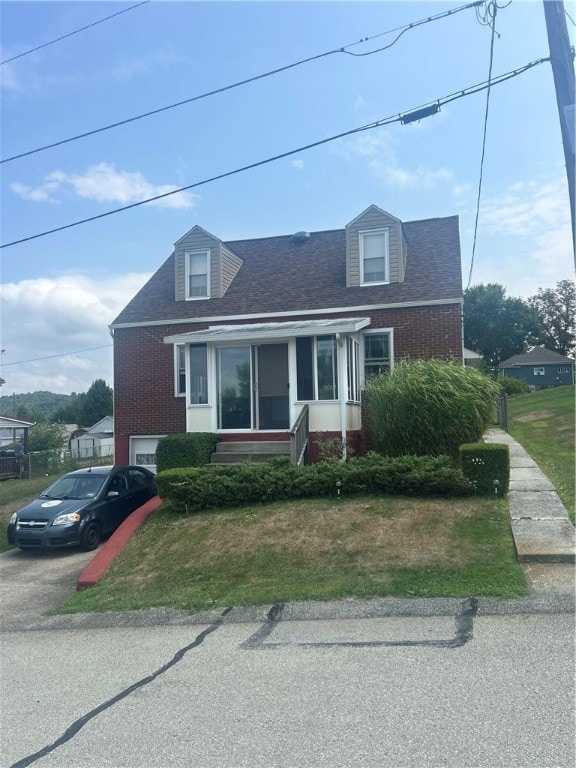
(143, 451)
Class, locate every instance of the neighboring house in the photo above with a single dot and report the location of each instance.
(13, 443)
(473, 359)
(540, 367)
(242, 338)
(98, 440)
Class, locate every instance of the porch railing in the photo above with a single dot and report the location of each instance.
(299, 437)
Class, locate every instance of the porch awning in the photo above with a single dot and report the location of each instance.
(259, 331)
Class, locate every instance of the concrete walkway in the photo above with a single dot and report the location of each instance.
(543, 532)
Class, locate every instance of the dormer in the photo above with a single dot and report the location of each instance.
(205, 267)
(375, 249)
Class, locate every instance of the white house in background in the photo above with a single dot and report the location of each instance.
(98, 440)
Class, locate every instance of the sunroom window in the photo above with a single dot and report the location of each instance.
(352, 369)
(317, 370)
(198, 374)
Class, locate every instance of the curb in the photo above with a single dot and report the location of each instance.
(100, 563)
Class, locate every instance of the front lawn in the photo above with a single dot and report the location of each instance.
(314, 549)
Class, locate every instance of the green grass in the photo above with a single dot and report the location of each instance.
(312, 550)
(543, 423)
(15, 494)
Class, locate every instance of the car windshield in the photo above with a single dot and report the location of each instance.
(75, 487)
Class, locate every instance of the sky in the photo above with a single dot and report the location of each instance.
(60, 291)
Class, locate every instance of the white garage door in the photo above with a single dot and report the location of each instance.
(143, 451)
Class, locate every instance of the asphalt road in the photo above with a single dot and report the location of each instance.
(378, 683)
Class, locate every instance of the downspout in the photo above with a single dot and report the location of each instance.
(341, 362)
(462, 331)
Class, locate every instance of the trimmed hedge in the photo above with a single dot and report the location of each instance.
(191, 449)
(487, 467)
(195, 488)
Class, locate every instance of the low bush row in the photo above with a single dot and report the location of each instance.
(194, 488)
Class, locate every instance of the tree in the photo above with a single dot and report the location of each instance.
(96, 403)
(45, 437)
(498, 326)
(556, 309)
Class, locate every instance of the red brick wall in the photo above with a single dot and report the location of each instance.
(424, 332)
(144, 401)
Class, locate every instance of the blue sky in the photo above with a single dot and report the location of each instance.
(60, 291)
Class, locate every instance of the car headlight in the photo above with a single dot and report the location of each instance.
(13, 518)
(67, 519)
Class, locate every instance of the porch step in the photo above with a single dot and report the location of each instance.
(256, 450)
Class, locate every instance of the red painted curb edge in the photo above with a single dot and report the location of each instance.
(104, 558)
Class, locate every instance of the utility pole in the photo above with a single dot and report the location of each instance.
(562, 60)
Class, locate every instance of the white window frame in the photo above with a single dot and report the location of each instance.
(372, 332)
(353, 369)
(180, 369)
(190, 377)
(187, 256)
(367, 233)
(564, 369)
(539, 371)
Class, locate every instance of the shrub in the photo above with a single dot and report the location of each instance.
(511, 386)
(191, 449)
(487, 467)
(428, 407)
(193, 488)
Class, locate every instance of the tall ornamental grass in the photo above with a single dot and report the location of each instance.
(427, 407)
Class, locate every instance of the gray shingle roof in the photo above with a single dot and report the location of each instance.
(278, 275)
(536, 356)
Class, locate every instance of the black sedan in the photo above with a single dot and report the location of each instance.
(81, 507)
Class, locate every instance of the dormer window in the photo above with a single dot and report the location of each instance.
(197, 274)
(374, 256)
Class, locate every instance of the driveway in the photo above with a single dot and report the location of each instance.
(34, 583)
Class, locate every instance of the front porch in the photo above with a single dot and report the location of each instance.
(272, 382)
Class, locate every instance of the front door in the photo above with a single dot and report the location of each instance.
(272, 402)
(252, 387)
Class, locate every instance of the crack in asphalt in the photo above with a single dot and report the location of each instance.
(463, 633)
(77, 725)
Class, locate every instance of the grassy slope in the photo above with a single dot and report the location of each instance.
(543, 423)
(313, 550)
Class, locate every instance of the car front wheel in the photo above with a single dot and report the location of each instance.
(91, 537)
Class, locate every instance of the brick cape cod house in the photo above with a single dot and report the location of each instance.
(242, 338)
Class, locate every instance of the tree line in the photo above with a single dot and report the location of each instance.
(498, 326)
(83, 409)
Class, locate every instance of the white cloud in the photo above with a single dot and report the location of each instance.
(524, 237)
(103, 183)
(298, 164)
(379, 154)
(52, 317)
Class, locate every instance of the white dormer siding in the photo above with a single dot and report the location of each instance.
(375, 249)
(221, 263)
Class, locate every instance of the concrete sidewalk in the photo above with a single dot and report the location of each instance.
(542, 530)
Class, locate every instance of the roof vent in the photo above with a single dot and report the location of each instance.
(300, 237)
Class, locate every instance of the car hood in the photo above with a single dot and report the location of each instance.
(47, 509)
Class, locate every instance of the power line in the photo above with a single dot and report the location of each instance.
(76, 31)
(404, 117)
(492, 10)
(342, 49)
(62, 354)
